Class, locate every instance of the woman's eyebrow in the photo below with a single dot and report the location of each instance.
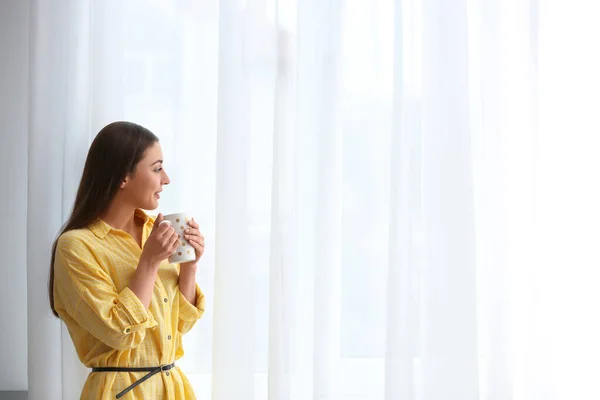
(157, 161)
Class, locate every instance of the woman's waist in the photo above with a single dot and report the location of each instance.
(133, 358)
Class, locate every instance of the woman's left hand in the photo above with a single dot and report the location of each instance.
(195, 239)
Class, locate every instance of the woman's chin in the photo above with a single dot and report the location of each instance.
(152, 205)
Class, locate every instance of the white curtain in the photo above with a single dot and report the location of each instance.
(371, 176)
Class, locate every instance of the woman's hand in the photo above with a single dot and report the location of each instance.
(195, 239)
(161, 243)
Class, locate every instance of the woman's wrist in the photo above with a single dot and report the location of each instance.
(187, 281)
(188, 267)
(148, 265)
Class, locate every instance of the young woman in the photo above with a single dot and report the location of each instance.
(125, 306)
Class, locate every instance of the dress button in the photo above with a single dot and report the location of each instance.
(166, 300)
(168, 373)
(127, 330)
(169, 337)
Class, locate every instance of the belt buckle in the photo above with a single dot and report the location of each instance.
(165, 367)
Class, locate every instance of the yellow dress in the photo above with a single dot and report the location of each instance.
(109, 325)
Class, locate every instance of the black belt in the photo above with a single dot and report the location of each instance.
(151, 371)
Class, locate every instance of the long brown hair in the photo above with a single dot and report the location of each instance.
(113, 155)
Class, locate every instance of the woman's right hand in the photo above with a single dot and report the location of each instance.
(161, 243)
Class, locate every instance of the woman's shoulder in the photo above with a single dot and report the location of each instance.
(76, 237)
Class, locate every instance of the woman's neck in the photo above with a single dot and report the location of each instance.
(120, 217)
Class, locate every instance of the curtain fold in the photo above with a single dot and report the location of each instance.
(283, 265)
(58, 137)
(234, 314)
(403, 264)
(449, 358)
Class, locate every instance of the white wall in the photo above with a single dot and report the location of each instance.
(14, 60)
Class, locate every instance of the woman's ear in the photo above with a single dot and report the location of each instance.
(124, 182)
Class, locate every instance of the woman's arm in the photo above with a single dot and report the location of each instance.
(160, 244)
(90, 298)
(187, 282)
(191, 302)
(191, 298)
(142, 283)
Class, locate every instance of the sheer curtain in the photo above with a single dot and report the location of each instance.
(363, 172)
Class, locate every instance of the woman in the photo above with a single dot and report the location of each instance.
(125, 306)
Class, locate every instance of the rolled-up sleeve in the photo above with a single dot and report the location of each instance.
(118, 319)
(190, 313)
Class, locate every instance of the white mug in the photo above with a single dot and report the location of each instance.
(185, 252)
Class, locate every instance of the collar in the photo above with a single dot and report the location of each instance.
(101, 228)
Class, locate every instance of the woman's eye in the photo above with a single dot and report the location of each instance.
(158, 170)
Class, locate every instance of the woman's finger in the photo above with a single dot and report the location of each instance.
(196, 235)
(161, 229)
(174, 238)
(157, 221)
(193, 232)
(167, 236)
(198, 245)
(197, 239)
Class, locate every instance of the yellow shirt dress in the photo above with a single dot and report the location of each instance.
(109, 325)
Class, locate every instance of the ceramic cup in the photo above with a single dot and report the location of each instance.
(185, 252)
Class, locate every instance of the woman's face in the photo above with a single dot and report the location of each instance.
(141, 189)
